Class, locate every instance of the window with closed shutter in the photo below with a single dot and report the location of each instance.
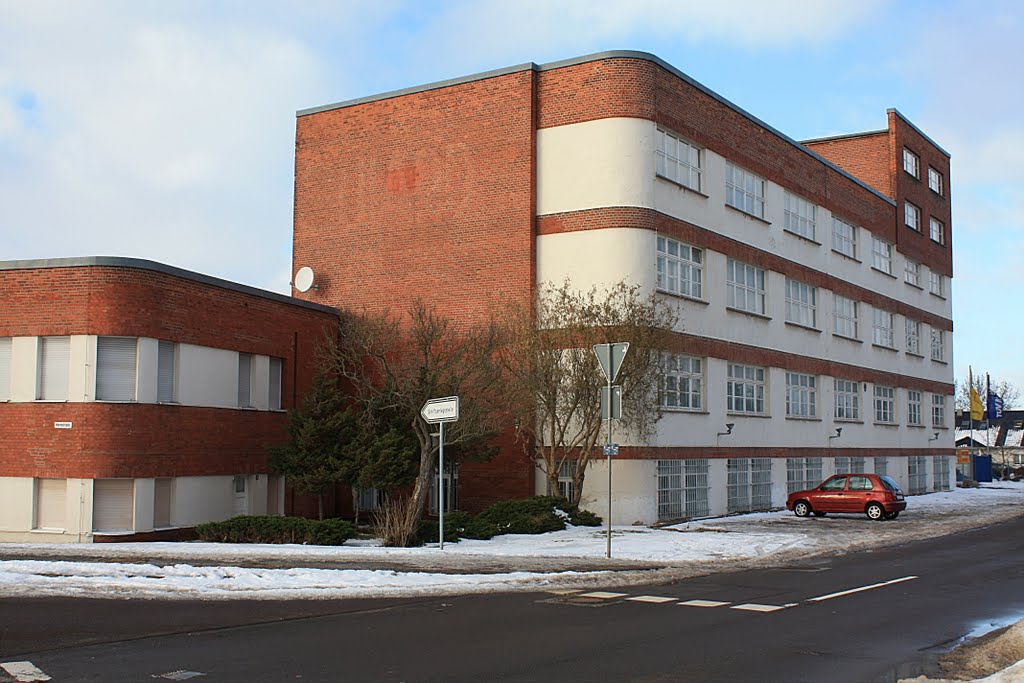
(275, 383)
(50, 503)
(5, 368)
(54, 366)
(244, 377)
(116, 368)
(113, 504)
(166, 353)
(163, 493)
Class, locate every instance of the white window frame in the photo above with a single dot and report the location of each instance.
(749, 484)
(746, 389)
(6, 344)
(913, 328)
(567, 479)
(116, 368)
(912, 272)
(54, 368)
(938, 410)
(801, 303)
(679, 268)
(801, 395)
(881, 255)
(938, 345)
(845, 316)
(746, 288)
(670, 163)
(934, 181)
(884, 328)
(912, 216)
(914, 407)
(799, 215)
(844, 237)
(802, 474)
(682, 382)
(847, 399)
(885, 404)
(937, 284)
(744, 190)
(936, 230)
(683, 489)
(911, 163)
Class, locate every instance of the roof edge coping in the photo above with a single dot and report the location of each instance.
(894, 110)
(845, 136)
(146, 264)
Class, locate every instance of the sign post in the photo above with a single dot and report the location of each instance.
(438, 411)
(610, 357)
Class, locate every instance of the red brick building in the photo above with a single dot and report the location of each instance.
(137, 397)
(812, 280)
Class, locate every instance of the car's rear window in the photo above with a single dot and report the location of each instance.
(889, 483)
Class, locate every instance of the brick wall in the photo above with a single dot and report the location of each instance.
(865, 156)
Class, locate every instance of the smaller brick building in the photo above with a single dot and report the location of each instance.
(136, 397)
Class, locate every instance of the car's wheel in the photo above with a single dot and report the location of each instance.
(819, 514)
(875, 511)
(893, 515)
(802, 508)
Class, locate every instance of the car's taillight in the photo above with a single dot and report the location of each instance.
(890, 496)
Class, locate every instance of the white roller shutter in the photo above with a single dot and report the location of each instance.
(275, 383)
(54, 365)
(116, 368)
(50, 503)
(5, 369)
(162, 495)
(244, 380)
(113, 503)
(165, 372)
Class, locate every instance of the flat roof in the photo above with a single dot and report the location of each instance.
(154, 266)
(610, 54)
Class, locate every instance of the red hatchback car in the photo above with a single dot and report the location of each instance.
(877, 496)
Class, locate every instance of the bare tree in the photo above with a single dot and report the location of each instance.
(555, 380)
(1009, 392)
(394, 365)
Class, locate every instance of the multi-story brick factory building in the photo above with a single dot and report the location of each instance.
(812, 280)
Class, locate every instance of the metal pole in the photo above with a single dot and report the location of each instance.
(608, 459)
(440, 487)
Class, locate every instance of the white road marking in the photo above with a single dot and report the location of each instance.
(602, 595)
(861, 589)
(24, 672)
(651, 598)
(563, 591)
(754, 607)
(704, 603)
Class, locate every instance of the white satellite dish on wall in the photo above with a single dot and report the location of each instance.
(304, 279)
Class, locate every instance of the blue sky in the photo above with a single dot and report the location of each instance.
(166, 130)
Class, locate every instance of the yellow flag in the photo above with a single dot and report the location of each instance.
(977, 409)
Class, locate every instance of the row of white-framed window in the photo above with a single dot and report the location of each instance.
(680, 161)
(680, 270)
(117, 371)
(682, 387)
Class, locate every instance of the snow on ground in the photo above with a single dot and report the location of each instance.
(511, 562)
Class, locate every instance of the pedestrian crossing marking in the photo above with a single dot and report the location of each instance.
(754, 607)
(603, 595)
(651, 598)
(704, 603)
(563, 591)
(24, 672)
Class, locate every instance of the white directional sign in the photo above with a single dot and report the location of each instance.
(441, 410)
(610, 357)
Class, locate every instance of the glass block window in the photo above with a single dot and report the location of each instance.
(745, 287)
(682, 382)
(884, 324)
(914, 407)
(912, 273)
(847, 399)
(844, 237)
(801, 395)
(938, 410)
(913, 336)
(885, 404)
(801, 303)
(682, 489)
(934, 181)
(802, 473)
(799, 215)
(744, 190)
(680, 268)
(938, 344)
(745, 389)
(911, 163)
(881, 255)
(677, 160)
(844, 316)
(749, 484)
(912, 216)
(937, 230)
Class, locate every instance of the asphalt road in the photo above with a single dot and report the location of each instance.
(856, 618)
